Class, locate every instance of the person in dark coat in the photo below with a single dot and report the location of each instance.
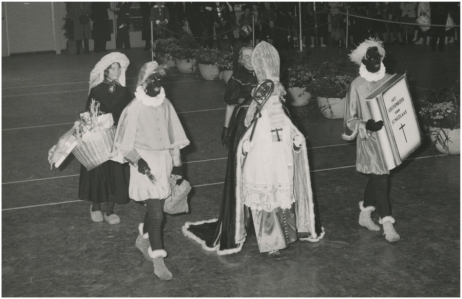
(438, 15)
(145, 8)
(239, 85)
(108, 183)
(161, 17)
(80, 13)
(123, 25)
(173, 26)
(224, 23)
(206, 22)
(101, 25)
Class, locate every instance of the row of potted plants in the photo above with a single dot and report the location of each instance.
(320, 80)
(439, 110)
(185, 53)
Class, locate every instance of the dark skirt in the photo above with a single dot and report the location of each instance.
(106, 183)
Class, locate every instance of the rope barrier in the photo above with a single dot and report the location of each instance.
(394, 22)
(211, 36)
(307, 29)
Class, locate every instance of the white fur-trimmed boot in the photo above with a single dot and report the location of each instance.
(388, 230)
(365, 217)
(142, 242)
(160, 270)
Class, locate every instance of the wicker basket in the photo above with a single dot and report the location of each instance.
(95, 152)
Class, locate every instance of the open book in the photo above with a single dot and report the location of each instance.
(392, 103)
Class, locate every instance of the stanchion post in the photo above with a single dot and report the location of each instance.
(346, 37)
(300, 41)
(152, 41)
(315, 25)
(253, 30)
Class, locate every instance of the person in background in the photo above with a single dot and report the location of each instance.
(102, 27)
(145, 8)
(239, 85)
(423, 10)
(80, 13)
(439, 15)
(206, 22)
(377, 10)
(173, 25)
(408, 15)
(322, 12)
(245, 25)
(256, 12)
(107, 183)
(161, 17)
(268, 17)
(123, 25)
(336, 19)
(224, 22)
(309, 24)
(453, 15)
(394, 14)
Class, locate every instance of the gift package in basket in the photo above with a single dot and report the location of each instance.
(91, 140)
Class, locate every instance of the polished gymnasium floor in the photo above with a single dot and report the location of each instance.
(50, 247)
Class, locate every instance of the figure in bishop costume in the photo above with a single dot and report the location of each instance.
(268, 178)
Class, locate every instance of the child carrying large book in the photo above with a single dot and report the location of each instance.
(359, 123)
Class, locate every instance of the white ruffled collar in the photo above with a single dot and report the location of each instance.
(141, 95)
(370, 77)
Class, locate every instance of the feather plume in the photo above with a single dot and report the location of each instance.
(358, 54)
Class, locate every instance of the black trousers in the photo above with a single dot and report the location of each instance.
(100, 45)
(437, 32)
(123, 39)
(376, 193)
(153, 221)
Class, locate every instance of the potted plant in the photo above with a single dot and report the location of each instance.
(330, 88)
(185, 53)
(298, 77)
(162, 49)
(208, 63)
(440, 114)
(225, 64)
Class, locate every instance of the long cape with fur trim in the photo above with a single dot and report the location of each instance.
(227, 234)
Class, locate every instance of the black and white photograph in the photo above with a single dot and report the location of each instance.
(230, 149)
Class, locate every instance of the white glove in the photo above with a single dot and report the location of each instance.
(157, 22)
(247, 146)
(298, 141)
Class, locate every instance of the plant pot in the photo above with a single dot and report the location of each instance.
(227, 75)
(332, 108)
(298, 96)
(446, 141)
(209, 71)
(186, 66)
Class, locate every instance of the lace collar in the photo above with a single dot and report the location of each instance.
(141, 95)
(370, 77)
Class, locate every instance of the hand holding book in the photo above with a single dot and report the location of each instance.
(374, 126)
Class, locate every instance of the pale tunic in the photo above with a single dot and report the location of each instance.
(154, 133)
(268, 172)
(161, 164)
